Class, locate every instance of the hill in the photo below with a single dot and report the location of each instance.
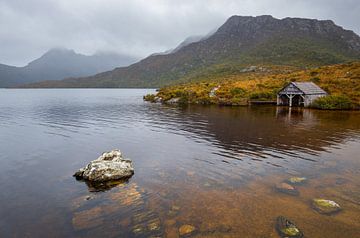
(261, 83)
(58, 64)
(240, 41)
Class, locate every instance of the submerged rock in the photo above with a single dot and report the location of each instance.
(154, 225)
(286, 228)
(286, 188)
(174, 210)
(109, 166)
(185, 230)
(215, 230)
(146, 223)
(297, 180)
(88, 219)
(325, 206)
(128, 196)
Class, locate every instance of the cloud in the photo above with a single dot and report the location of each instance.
(138, 27)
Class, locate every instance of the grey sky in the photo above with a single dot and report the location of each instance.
(28, 28)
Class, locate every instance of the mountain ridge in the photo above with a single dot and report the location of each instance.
(241, 40)
(60, 63)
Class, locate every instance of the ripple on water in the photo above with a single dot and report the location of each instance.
(212, 168)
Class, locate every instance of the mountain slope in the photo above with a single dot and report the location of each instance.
(58, 64)
(239, 41)
(262, 84)
(187, 41)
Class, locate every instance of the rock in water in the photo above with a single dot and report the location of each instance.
(286, 228)
(186, 230)
(297, 180)
(326, 207)
(286, 188)
(109, 166)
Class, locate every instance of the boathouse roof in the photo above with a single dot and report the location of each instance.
(307, 88)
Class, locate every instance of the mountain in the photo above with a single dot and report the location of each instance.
(190, 40)
(61, 63)
(240, 41)
(187, 41)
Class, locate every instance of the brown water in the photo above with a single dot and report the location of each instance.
(213, 168)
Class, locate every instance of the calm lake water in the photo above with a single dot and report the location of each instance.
(210, 167)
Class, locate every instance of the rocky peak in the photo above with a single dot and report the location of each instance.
(240, 40)
(248, 28)
(242, 23)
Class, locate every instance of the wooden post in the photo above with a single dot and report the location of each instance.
(303, 98)
(277, 100)
(290, 101)
(290, 96)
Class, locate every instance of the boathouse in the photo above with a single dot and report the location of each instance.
(299, 94)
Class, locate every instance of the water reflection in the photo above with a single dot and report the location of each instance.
(256, 138)
(103, 186)
(213, 168)
(262, 127)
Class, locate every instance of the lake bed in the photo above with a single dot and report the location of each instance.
(207, 167)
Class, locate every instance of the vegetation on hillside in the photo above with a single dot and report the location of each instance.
(240, 41)
(333, 102)
(261, 83)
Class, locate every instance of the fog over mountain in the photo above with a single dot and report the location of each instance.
(60, 63)
(240, 41)
(138, 28)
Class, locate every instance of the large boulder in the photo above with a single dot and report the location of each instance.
(109, 166)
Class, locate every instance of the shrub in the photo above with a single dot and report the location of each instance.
(262, 95)
(185, 96)
(315, 80)
(333, 102)
(237, 91)
(313, 73)
(204, 100)
(149, 97)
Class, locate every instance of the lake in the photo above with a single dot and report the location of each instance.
(213, 168)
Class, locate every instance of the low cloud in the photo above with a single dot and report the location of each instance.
(138, 27)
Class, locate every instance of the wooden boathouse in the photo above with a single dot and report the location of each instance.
(299, 94)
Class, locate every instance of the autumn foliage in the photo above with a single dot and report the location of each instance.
(238, 88)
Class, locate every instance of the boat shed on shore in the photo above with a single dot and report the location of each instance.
(299, 94)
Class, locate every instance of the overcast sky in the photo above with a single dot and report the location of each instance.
(28, 28)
